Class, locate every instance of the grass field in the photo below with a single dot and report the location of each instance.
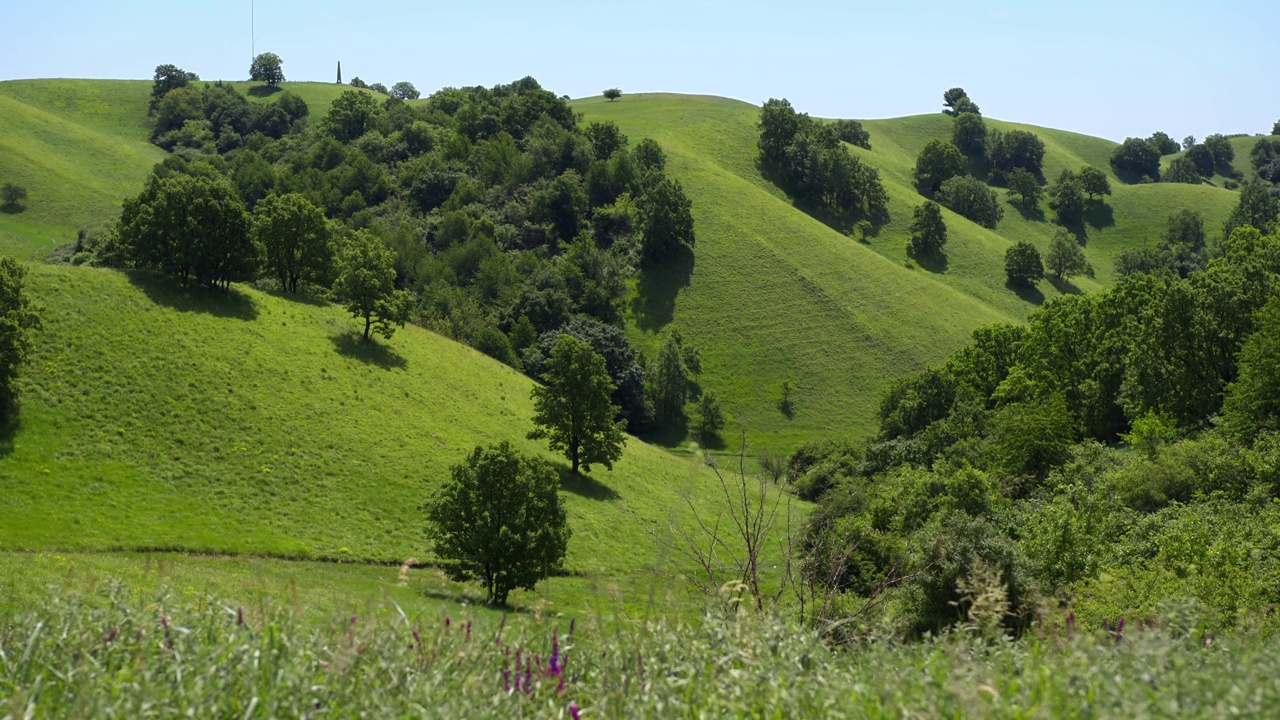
(775, 296)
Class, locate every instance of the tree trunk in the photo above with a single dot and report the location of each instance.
(368, 322)
(573, 456)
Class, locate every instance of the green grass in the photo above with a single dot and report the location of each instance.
(158, 418)
(773, 295)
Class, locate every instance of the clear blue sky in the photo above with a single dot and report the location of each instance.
(1111, 68)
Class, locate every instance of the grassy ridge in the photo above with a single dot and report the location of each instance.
(153, 417)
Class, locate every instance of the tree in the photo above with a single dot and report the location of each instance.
(710, 417)
(605, 138)
(500, 519)
(267, 68)
(18, 317)
(189, 226)
(1026, 186)
(779, 124)
(1252, 404)
(12, 195)
(667, 380)
(969, 133)
(356, 82)
(1223, 153)
(626, 369)
(351, 115)
(965, 106)
(666, 220)
(1094, 181)
(379, 88)
(1067, 199)
(169, 77)
(612, 94)
(1137, 159)
(1182, 170)
(1022, 264)
(972, 199)
(405, 91)
(367, 284)
(1206, 164)
(928, 231)
(1015, 149)
(951, 97)
(294, 235)
(1188, 142)
(852, 132)
(573, 410)
(1065, 257)
(1183, 241)
(648, 156)
(938, 162)
(1257, 208)
(1163, 143)
(1275, 129)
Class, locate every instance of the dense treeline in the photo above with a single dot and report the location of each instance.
(995, 464)
(486, 214)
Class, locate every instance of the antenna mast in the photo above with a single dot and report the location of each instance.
(253, 34)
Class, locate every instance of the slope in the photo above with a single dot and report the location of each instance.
(154, 417)
(775, 296)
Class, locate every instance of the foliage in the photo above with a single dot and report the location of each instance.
(626, 368)
(1094, 182)
(710, 416)
(1252, 404)
(1182, 170)
(1065, 257)
(294, 236)
(1014, 149)
(352, 115)
(852, 132)
(499, 518)
(366, 284)
(1220, 147)
(1257, 208)
(666, 220)
(928, 231)
(573, 410)
(18, 318)
(1022, 264)
(405, 91)
(267, 68)
(1136, 159)
(957, 102)
(1066, 197)
(971, 198)
(669, 381)
(1202, 157)
(938, 162)
(1026, 186)
(1163, 143)
(11, 195)
(612, 94)
(189, 226)
(969, 133)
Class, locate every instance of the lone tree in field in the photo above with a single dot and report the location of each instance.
(12, 195)
(1065, 257)
(1026, 186)
(1094, 181)
(367, 284)
(573, 410)
(1022, 264)
(405, 91)
(295, 237)
(267, 68)
(612, 94)
(928, 231)
(18, 317)
(499, 517)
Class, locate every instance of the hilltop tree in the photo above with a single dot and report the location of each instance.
(1188, 142)
(18, 317)
(267, 68)
(969, 133)
(189, 226)
(1094, 181)
(11, 195)
(169, 77)
(499, 517)
(666, 220)
(379, 88)
(928, 230)
(367, 285)
(352, 115)
(573, 410)
(1022, 264)
(356, 82)
(1065, 257)
(779, 124)
(973, 199)
(295, 238)
(612, 94)
(1182, 170)
(1203, 159)
(852, 132)
(1015, 149)
(938, 162)
(1026, 186)
(1067, 198)
(957, 102)
(1223, 153)
(405, 90)
(1137, 159)
(1163, 143)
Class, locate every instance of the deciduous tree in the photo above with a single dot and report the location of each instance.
(1094, 181)
(1067, 199)
(500, 519)
(1022, 264)
(11, 195)
(572, 410)
(1026, 186)
(1065, 257)
(1136, 158)
(666, 220)
(612, 94)
(294, 236)
(267, 68)
(937, 163)
(405, 91)
(18, 317)
(367, 285)
(972, 199)
(969, 133)
(928, 231)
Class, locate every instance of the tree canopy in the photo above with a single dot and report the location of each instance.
(1026, 186)
(971, 198)
(1065, 257)
(268, 68)
(18, 318)
(294, 236)
(937, 163)
(1022, 264)
(366, 284)
(405, 90)
(499, 518)
(573, 410)
(1136, 159)
(612, 94)
(928, 230)
(1014, 149)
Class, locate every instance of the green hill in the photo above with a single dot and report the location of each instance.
(776, 296)
(157, 418)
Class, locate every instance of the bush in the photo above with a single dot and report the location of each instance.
(972, 199)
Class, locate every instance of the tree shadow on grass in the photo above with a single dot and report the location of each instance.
(1063, 285)
(669, 434)
(167, 291)
(655, 302)
(585, 486)
(1099, 214)
(352, 345)
(934, 262)
(1028, 293)
(13, 209)
(264, 90)
(8, 428)
(845, 223)
(1035, 213)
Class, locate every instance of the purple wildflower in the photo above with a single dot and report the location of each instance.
(555, 654)
(528, 676)
(417, 638)
(1119, 633)
(468, 629)
(506, 679)
(447, 622)
(573, 711)
(560, 687)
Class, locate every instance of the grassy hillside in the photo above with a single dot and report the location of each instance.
(154, 417)
(775, 296)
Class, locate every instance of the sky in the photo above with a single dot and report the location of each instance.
(1113, 68)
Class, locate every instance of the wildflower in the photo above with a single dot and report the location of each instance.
(560, 687)
(573, 711)
(447, 622)
(239, 617)
(417, 638)
(1119, 633)
(111, 635)
(555, 655)
(1071, 621)
(325, 664)
(506, 679)
(528, 676)
(468, 629)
